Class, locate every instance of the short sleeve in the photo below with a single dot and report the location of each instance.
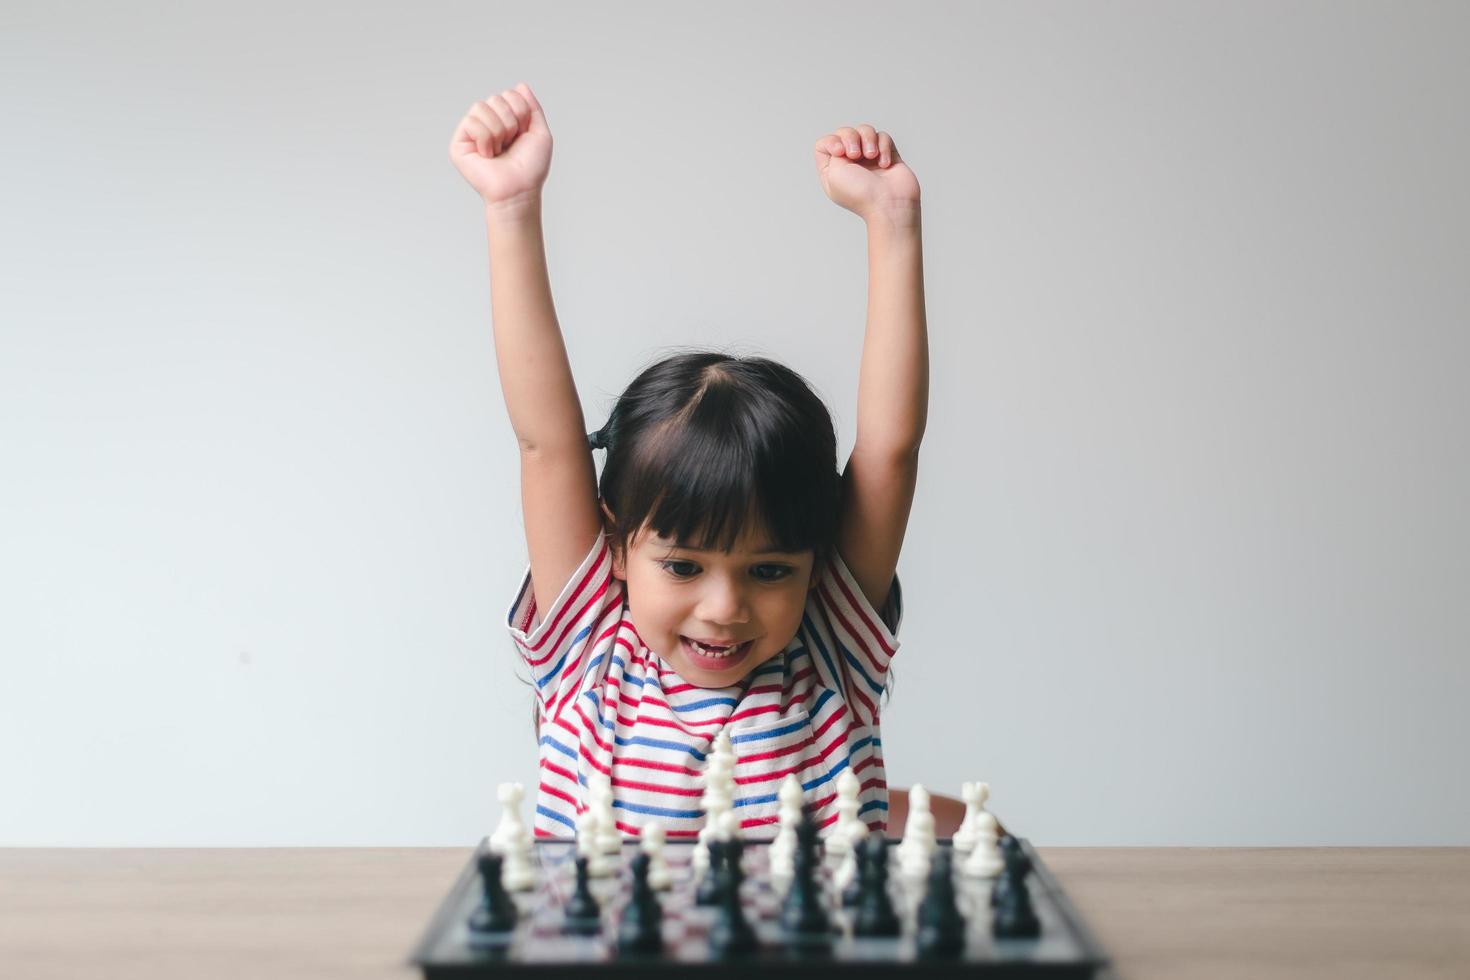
(865, 638)
(557, 644)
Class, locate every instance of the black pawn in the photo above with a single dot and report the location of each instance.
(496, 911)
(803, 913)
(941, 927)
(730, 934)
(583, 914)
(641, 930)
(1010, 848)
(875, 915)
(854, 890)
(708, 892)
(1014, 917)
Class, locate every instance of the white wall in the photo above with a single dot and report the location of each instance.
(1188, 559)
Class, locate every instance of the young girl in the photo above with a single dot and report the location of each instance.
(722, 575)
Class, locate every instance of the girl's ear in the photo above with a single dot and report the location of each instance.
(620, 569)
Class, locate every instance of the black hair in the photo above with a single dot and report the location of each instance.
(702, 442)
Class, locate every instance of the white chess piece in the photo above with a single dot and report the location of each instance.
(609, 838)
(511, 828)
(974, 796)
(840, 841)
(651, 842)
(783, 848)
(847, 870)
(918, 842)
(512, 840)
(984, 860)
(718, 797)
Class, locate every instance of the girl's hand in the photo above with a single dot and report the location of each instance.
(860, 170)
(503, 148)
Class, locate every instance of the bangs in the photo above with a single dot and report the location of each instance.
(705, 479)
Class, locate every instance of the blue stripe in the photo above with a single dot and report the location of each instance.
(848, 656)
(657, 811)
(596, 660)
(859, 744)
(548, 740)
(823, 698)
(552, 814)
(832, 670)
(696, 705)
(657, 744)
(604, 722)
(757, 736)
(557, 669)
(873, 805)
(770, 797)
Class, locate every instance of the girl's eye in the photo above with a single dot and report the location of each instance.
(686, 569)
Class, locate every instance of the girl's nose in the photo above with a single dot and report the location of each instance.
(723, 604)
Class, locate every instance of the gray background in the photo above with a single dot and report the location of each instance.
(1188, 557)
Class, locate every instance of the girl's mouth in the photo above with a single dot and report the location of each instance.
(712, 658)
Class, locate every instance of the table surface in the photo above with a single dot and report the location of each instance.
(357, 912)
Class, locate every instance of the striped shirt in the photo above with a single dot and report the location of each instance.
(608, 703)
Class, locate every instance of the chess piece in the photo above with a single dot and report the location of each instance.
(941, 926)
(496, 911)
(651, 842)
(718, 798)
(708, 892)
(1014, 916)
(875, 915)
(599, 865)
(609, 838)
(844, 833)
(852, 891)
(783, 848)
(583, 914)
(730, 934)
(512, 840)
(985, 860)
(1007, 847)
(974, 795)
(803, 914)
(641, 927)
(918, 836)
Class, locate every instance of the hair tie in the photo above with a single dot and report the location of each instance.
(596, 440)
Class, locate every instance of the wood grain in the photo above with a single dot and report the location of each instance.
(356, 912)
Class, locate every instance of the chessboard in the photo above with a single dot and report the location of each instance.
(540, 940)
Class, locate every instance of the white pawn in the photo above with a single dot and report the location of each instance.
(783, 848)
(651, 842)
(609, 839)
(512, 840)
(847, 870)
(919, 841)
(845, 831)
(511, 828)
(974, 795)
(984, 860)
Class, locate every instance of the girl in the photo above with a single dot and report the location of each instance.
(722, 575)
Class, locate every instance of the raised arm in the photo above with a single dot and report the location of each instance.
(861, 170)
(503, 148)
(558, 479)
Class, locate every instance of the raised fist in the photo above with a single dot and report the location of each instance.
(502, 146)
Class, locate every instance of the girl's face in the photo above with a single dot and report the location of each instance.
(749, 600)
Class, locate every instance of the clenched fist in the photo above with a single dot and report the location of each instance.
(861, 170)
(503, 148)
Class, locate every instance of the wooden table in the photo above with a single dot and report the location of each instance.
(357, 912)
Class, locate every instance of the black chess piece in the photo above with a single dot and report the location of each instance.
(1009, 848)
(1014, 917)
(708, 892)
(941, 926)
(803, 914)
(730, 934)
(583, 914)
(497, 910)
(854, 889)
(641, 929)
(875, 915)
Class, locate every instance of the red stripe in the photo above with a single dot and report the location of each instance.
(601, 565)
